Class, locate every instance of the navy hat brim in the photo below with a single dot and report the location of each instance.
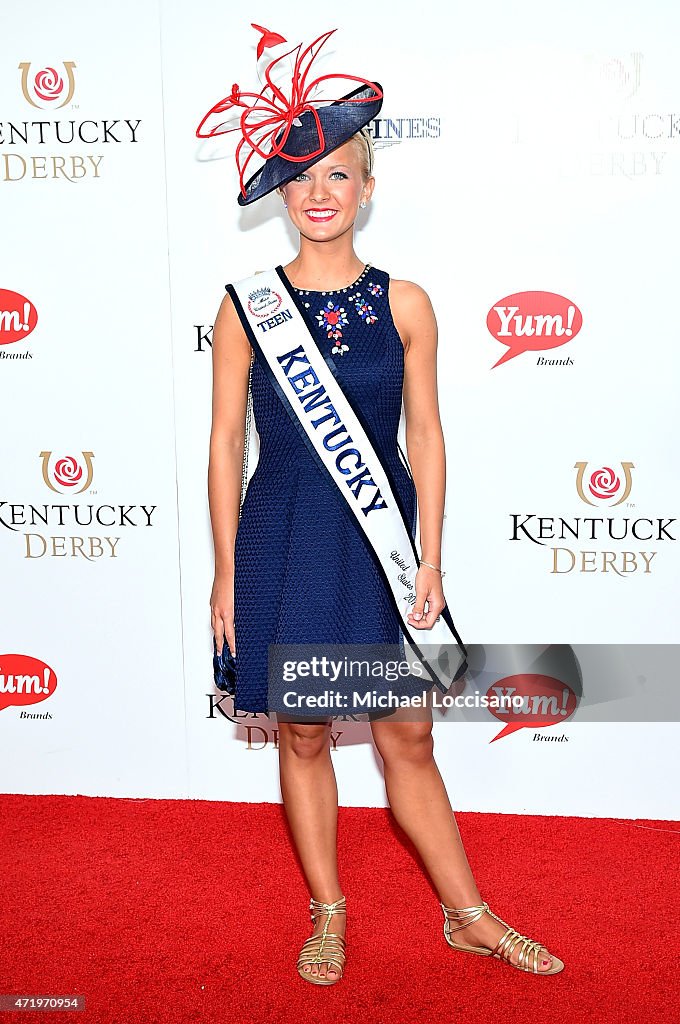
(339, 120)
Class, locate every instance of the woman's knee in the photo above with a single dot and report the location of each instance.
(404, 741)
(304, 740)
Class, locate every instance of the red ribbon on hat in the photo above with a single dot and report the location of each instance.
(271, 110)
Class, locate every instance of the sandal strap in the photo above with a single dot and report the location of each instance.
(328, 950)
(529, 948)
(317, 908)
(527, 958)
(324, 947)
(466, 915)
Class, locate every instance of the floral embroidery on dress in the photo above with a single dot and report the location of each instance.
(333, 317)
(365, 311)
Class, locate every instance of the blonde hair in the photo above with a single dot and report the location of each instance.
(365, 143)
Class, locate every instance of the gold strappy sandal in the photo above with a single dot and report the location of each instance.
(325, 947)
(527, 959)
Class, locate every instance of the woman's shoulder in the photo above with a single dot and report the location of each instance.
(411, 309)
(409, 298)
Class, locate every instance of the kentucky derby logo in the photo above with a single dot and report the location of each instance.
(263, 302)
(603, 483)
(47, 88)
(614, 77)
(76, 525)
(610, 540)
(67, 473)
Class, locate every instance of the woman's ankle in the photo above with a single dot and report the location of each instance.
(461, 902)
(330, 895)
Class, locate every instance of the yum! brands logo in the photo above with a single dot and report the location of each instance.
(18, 319)
(611, 543)
(535, 687)
(89, 529)
(25, 680)
(539, 702)
(534, 322)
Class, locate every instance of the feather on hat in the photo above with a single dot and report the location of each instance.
(285, 124)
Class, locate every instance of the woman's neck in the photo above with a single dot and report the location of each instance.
(324, 266)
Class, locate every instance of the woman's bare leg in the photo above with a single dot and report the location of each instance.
(420, 804)
(310, 797)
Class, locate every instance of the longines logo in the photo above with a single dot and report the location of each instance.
(70, 475)
(604, 488)
(53, 88)
(389, 131)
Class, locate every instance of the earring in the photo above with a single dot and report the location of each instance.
(362, 204)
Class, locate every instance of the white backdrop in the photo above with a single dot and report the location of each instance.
(521, 149)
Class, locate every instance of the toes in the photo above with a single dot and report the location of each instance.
(545, 961)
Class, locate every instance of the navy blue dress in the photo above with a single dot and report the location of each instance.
(303, 571)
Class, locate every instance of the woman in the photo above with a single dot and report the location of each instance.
(297, 537)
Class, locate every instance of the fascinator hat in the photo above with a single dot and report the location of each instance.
(288, 124)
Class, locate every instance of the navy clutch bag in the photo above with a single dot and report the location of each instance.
(224, 669)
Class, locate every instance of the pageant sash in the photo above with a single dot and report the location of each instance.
(305, 381)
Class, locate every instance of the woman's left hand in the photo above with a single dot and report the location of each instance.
(428, 588)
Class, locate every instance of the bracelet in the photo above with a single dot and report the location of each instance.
(431, 566)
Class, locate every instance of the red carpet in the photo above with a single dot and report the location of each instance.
(180, 911)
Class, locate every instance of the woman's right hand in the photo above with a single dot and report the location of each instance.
(222, 611)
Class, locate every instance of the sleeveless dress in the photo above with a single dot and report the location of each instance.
(303, 571)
